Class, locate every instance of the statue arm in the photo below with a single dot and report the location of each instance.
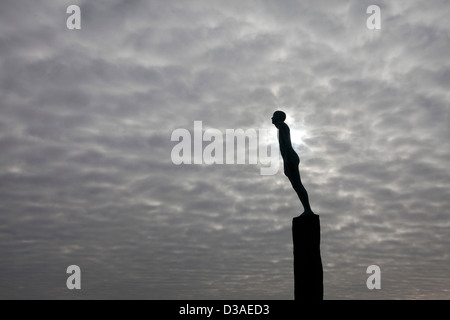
(285, 142)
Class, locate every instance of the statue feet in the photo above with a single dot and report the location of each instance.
(307, 213)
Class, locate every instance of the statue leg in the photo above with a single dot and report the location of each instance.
(292, 172)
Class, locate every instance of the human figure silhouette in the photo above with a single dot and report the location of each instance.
(291, 159)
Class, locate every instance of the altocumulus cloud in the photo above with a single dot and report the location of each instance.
(86, 176)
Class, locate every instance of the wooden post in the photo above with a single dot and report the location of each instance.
(308, 272)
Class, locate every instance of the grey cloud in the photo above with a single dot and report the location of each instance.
(86, 120)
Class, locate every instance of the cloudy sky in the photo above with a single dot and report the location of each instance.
(86, 175)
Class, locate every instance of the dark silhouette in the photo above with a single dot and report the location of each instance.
(291, 160)
(308, 271)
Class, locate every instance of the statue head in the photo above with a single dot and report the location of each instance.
(278, 116)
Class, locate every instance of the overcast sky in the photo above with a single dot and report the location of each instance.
(86, 175)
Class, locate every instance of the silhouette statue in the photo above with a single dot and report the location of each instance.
(308, 271)
(291, 160)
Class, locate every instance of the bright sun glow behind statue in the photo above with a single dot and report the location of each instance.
(298, 132)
